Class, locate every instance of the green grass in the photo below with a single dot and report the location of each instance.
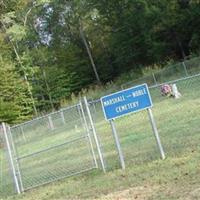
(146, 175)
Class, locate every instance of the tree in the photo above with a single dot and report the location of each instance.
(14, 98)
(41, 41)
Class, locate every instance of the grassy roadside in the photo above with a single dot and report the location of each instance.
(174, 178)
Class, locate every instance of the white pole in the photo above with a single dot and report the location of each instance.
(50, 123)
(88, 132)
(62, 116)
(185, 69)
(22, 131)
(154, 79)
(16, 160)
(94, 106)
(81, 112)
(95, 135)
(116, 138)
(11, 159)
(155, 130)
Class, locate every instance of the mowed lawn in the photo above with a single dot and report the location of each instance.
(146, 176)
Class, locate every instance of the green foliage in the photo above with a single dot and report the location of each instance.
(15, 105)
(9, 112)
(16, 32)
(42, 41)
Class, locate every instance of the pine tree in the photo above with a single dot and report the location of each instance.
(15, 104)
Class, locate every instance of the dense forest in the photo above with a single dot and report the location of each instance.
(53, 48)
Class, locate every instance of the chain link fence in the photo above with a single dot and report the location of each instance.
(105, 135)
(79, 139)
(181, 70)
(135, 134)
(179, 119)
(178, 122)
(50, 148)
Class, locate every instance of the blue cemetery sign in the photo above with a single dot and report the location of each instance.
(126, 101)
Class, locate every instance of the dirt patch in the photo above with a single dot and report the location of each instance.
(139, 193)
(194, 195)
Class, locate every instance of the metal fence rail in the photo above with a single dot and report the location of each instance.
(52, 147)
(187, 68)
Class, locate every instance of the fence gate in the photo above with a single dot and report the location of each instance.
(53, 147)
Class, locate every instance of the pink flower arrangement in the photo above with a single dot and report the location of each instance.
(166, 90)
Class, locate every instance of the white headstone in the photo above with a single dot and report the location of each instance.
(175, 92)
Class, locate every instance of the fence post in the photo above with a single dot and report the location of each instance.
(95, 135)
(81, 113)
(50, 122)
(88, 132)
(185, 68)
(18, 173)
(154, 79)
(155, 130)
(22, 131)
(62, 116)
(5, 133)
(94, 106)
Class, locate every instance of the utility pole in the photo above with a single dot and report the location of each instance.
(89, 53)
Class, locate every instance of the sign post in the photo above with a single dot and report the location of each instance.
(125, 102)
(118, 146)
(155, 130)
